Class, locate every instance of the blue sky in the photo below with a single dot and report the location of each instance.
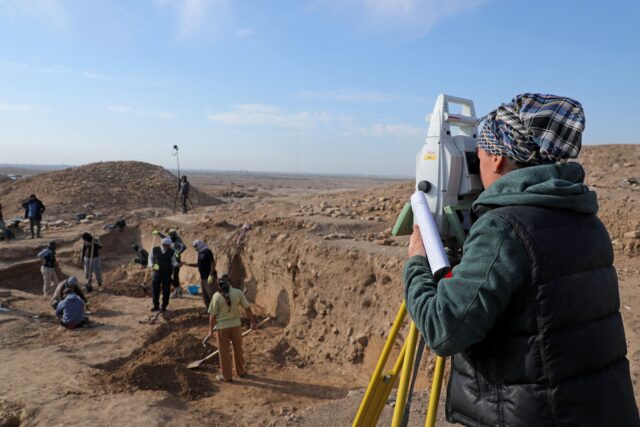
(321, 86)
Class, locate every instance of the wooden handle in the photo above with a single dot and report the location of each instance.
(244, 334)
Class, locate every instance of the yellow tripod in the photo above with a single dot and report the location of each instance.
(382, 382)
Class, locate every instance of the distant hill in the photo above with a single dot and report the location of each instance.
(115, 187)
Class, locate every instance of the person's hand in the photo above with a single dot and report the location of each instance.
(156, 233)
(253, 324)
(204, 341)
(210, 280)
(416, 246)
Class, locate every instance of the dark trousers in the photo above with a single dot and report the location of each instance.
(184, 198)
(208, 289)
(175, 277)
(163, 280)
(34, 222)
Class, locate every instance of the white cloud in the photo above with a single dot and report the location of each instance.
(119, 108)
(245, 33)
(198, 18)
(126, 109)
(162, 115)
(94, 76)
(21, 67)
(355, 96)
(414, 18)
(49, 12)
(342, 95)
(392, 130)
(269, 115)
(6, 107)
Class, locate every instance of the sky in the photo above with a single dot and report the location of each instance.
(298, 86)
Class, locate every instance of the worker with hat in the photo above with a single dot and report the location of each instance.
(71, 310)
(91, 260)
(531, 315)
(178, 247)
(49, 268)
(69, 283)
(163, 262)
(206, 265)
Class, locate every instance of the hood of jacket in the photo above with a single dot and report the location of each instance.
(559, 186)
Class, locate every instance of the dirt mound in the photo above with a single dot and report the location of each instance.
(104, 187)
(161, 363)
(613, 171)
(126, 280)
(11, 414)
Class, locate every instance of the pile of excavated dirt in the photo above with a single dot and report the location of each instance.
(160, 364)
(126, 280)
(104, 187)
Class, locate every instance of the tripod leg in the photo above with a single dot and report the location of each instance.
(382, 389)
(405, 378)
(363, 417)
(434, 395)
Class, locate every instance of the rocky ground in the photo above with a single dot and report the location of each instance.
(320, 260)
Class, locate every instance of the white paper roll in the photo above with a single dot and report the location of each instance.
(422, 216)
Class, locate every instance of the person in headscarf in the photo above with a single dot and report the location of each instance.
(163, 261)
(224, 318)
(206, 265)
(531, 315)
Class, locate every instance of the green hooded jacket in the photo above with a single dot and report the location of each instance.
(459, 311)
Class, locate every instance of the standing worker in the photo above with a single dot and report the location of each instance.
(532, 312)
(184, 190)
(163, 261)
(178, 247)
(224, 316)
(50, 269)
(33, 209)
(142, 256)
(207, 268)
(91, 260)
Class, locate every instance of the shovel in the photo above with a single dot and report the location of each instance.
(150, 319)
(198, 363)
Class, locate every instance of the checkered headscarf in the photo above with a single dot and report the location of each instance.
(534, 129)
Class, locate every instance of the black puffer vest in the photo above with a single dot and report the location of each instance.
(556, 355)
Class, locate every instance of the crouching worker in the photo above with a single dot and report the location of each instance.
(142, 256)
(224, 316)
(70, 311)
(532, 312)
(164, 262)
(70, 283)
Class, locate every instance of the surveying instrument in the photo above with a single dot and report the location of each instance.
(447, 183)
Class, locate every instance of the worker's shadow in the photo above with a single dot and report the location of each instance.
(294, 388)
